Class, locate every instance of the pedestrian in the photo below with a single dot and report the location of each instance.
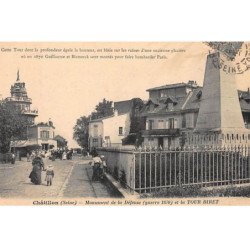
(28, 156)
(36, 173)
(97, 167)
(64, 156)
(49, 175)
(13, 158)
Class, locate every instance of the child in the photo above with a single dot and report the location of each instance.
(49, 175)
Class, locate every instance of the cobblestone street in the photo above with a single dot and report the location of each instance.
(72, 179)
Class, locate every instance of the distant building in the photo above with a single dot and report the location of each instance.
(35, 136)
(61, 141)
(113, 130)
(44, 134)
(109, 131)
(172, 110)
(19, 98)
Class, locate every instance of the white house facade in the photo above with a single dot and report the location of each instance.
(109, 131)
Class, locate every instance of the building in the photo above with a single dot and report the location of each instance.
(172, 113)
(171, 110)
(43, 134)
(19, 98)
(113, 131)
(109, 131)
(35, 136)
(61, 142)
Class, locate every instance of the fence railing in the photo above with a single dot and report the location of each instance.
(149, 170)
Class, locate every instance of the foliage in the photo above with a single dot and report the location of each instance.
(103, 109)
(196, 191)
(137, 124)
(13, 125)
(81, 131)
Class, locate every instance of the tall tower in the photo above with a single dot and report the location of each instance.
(19, 98)
(220, 119)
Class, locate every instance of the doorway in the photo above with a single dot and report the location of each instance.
(45, 146)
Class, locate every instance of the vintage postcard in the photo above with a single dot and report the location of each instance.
(125, 123)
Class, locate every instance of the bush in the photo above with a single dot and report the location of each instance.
(196, 191)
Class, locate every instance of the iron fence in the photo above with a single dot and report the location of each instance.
(149, 170)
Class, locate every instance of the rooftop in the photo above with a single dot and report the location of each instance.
(190, 102)
(190, 84)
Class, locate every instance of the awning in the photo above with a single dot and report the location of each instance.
(24, 144)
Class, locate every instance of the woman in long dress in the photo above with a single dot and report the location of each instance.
(36, 173)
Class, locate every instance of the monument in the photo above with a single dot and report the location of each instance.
(219, 120)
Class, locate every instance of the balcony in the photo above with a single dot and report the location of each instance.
(31, 112)
(161, 132)
(19, 99)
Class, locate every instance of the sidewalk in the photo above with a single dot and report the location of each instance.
(72, 179)
(81, 185)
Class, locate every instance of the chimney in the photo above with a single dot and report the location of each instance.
(115, 112)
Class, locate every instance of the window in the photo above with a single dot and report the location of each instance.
(171, 123)
(161, 124)
(95, 130)
(150, 124)
(189, 120)
(170, 106)
(95, 142)
(184, 121)
(44, 134)
(120, 130)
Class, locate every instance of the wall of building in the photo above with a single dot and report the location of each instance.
(96, 129)
(162, 122)
(168, 142)
(95, 134)
(32, 132)
(46, 135)
(111, 128)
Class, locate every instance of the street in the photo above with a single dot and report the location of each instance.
(72, 179)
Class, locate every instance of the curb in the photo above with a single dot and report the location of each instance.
(116, 185)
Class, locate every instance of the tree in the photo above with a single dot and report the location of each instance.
(137, 124)
(81, 131)
(61, 142)
(13, 125)
(103, 109)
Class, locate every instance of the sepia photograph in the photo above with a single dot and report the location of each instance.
(125, 123)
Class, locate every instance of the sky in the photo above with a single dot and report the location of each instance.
(65, 89)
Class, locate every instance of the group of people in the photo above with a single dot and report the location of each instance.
(98, 164)
(36, 173)
(62, 154)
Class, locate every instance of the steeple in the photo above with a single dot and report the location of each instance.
(18, 77)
